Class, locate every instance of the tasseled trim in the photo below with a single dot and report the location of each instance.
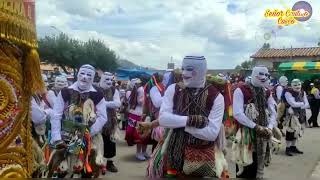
(34, 81)
(87, 166)
(14, 26)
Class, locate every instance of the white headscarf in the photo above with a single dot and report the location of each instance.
(60, 82)
(85, 77)
(260, 76)
(194, 70)
(296, 85)
(106, 80)
(283, 81)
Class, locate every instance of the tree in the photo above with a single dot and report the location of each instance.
(245, 65)
(66, 52)
(97, 54)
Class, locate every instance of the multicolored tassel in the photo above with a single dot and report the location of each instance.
(171, 173)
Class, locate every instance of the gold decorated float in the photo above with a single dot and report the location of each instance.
(20, 77)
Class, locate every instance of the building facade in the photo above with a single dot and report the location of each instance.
(272, 58)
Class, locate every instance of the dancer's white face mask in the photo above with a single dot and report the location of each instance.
(296, 85)
(260, 77)
(85, 77)
(283, 81)
(194, 70)
(106, 80)
(166, 78)
(60, 83)
(45, 80)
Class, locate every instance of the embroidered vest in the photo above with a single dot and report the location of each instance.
(249, 96)
(298, 96)
(78, 113)
(109, 127)
(184, 105)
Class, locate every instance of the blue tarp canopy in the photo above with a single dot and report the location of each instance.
(126, 74)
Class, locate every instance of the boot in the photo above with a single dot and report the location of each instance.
(310, 123)
(295, 150)
(288, 152)
(111, 167)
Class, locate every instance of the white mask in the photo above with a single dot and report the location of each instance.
(248, 80)
(296, 85)
(194, 70)
(260, 76)
(85, 77)
(45, 80)
(133, 82)
(283, 81)
(106, 80)
(60, 82)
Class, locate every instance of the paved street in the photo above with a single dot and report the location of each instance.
(296, 167)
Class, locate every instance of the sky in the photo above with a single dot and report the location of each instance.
(151, 32)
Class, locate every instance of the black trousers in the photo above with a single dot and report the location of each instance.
(249, 172)
(314, 106)
(109, 147)
(290, 136)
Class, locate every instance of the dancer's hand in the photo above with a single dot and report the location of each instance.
(145, 125)
(60, 144)
(197, 121)
(269, 132)
(144, 128)
(262, 131)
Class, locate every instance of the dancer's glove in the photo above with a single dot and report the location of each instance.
(197, 121)
(263, 131)
(60, 144)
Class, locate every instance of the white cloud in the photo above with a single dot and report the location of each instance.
(150, 32)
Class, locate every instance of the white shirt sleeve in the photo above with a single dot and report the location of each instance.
(167, 118)
(102, 118)
(38, 114)
(306, 102)
(272, 109)
(140, 96)
(210, 132)
(292, 102)
(238, 109)
(279, 92)
(155, 97)
(56, 119)
(116, 103)
(128, 93)
(51, 98)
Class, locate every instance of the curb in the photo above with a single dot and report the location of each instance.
(316, 172)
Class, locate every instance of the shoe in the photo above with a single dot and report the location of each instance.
(316, 126)
(309, 123)
(146, 155)
(111, 167)
(103, 170)
(140, 157)
(295, 150)
(288, 152)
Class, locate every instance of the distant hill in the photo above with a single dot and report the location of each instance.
(127, 64)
